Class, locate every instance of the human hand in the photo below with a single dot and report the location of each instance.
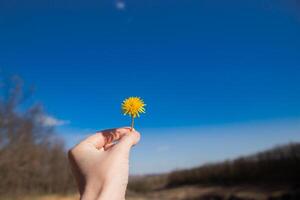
(100, 165)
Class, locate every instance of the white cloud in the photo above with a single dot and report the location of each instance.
(120, 5)
(47, 120)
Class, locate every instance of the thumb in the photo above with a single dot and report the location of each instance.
(128, 140)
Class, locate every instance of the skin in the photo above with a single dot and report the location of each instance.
(100, 163)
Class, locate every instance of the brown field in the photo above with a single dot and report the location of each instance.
(218, 193)
(194, 193)
(43, 197)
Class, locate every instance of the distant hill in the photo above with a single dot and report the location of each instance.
(279, 165)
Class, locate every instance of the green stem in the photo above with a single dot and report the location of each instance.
(132, 123)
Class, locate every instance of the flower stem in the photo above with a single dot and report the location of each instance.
(132, 123)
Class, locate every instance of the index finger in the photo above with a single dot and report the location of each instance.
(101, 138)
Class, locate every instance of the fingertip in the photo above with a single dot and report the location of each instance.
(136, 136)
(130, 139)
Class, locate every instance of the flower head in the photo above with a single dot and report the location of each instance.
(133, 106)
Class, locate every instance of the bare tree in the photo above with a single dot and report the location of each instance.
(32, 157)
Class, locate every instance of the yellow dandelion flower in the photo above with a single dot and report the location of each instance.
(133, 106)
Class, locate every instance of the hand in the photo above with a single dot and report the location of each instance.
(100, 164)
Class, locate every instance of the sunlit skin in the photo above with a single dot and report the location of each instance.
(100, 163)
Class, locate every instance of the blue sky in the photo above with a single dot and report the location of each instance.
(197, 65)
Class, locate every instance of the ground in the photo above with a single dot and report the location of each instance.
(193, 193)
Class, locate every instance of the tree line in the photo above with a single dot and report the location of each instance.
(32, 158)
(280, 165)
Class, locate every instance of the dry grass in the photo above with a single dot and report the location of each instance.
(186, 193)
(211, 192)
(55, 197)
(43, 197)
